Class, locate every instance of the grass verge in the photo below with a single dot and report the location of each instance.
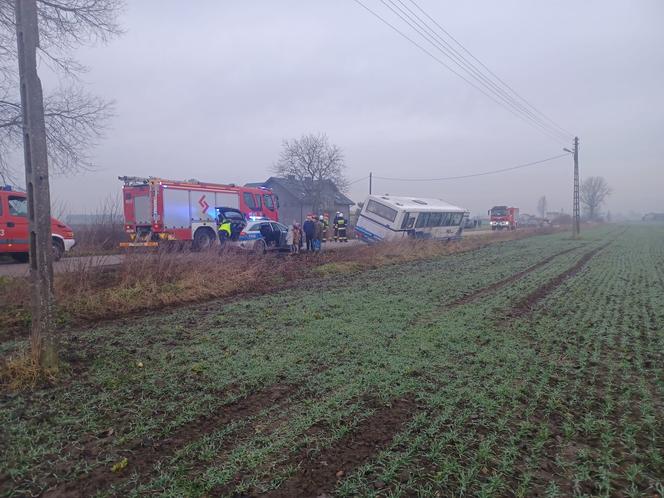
(88, 292)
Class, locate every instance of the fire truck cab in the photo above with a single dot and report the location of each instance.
(14, 227)
(503, 217)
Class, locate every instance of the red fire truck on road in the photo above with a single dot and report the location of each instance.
(503, 217)
(158, 210)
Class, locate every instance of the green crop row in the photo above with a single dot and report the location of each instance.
(557, 398)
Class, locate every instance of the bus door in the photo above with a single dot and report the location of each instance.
(408, 223)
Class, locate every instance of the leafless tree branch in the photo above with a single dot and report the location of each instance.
(312, 160)
(75, 120)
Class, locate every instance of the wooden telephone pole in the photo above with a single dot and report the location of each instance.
(42, 338)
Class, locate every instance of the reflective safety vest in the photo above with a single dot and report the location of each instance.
(341, 223)
(225, 226)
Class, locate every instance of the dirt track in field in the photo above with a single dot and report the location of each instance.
(468, 298)
(526, 305)
(319, 472)
(145, 454)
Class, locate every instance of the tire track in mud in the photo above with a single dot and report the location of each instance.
(142, 457)
(468, 298)
(488, 290)
(319, 472)
(525, 305)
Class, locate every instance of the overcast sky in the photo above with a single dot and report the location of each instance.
(209, 90)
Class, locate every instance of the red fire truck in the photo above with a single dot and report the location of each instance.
(503, 217)
(14, 227)
(158, 210)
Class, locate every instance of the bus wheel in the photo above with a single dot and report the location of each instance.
(203, 239)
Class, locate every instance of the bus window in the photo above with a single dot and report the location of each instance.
(268, 202)
(456, 219)
(249, 201)
(435, 219)
(408, 221)
(422, 220)
(445, 221)
(381, 210)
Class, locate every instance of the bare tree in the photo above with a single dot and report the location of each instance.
(594, 191)
(313, 161)
(541, 206)
(75, 120)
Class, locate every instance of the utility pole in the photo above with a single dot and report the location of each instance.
(370, 178)
(42, 338)
(576, 215)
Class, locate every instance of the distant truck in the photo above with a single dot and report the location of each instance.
(158, 211)
(503, 217)
(14, 231)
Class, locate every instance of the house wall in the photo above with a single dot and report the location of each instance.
(291, 209)
(289, 206)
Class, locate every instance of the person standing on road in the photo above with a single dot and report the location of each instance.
(309, 228)
(290, 236)
(326, 227)
(318, 234)
(340, 228)
(297, 238)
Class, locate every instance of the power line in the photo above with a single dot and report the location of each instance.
(358, 180)
(505, 100)
(442, 45)
(494, 95)
(514, 92)
(492, 172)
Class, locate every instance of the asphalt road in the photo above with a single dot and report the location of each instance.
(10, 268)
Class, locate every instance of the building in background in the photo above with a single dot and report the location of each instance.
(295, 203)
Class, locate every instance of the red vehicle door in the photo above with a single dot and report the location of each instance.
(14, 223)
(269, 208)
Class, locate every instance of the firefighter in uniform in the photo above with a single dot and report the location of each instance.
(335, 224)
(340, 228)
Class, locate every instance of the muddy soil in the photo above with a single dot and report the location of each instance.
(319, 472)
(143, 455)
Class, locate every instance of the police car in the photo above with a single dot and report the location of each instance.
(262, 235)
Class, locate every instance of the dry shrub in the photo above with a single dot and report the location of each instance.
(14, 305)
(149, 281)
(141, 282)
(103, 230)
(406, 250)
(98, 237)
(21, 371)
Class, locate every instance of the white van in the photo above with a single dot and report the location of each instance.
(386, 217)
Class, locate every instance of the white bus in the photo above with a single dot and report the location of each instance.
(386, 217)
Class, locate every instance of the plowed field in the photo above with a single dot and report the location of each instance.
(526, 368)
